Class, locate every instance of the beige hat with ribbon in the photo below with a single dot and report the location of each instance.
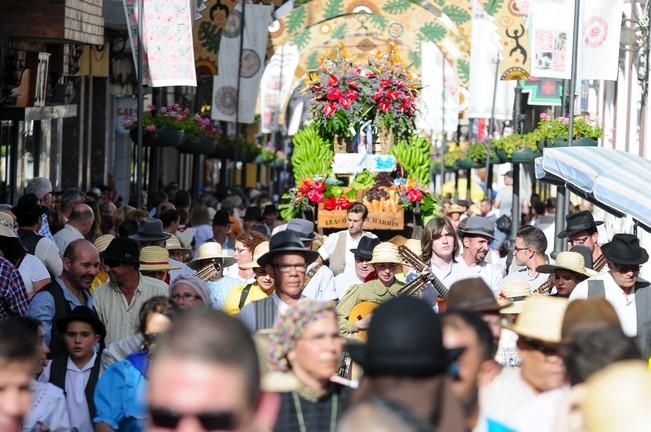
(260, 249)
(212, 250)
(155, 258)
(174, 244)
(570, 261)
(414, 245)
(102, 242)
(7, 226)
(513, 292)
(386, 253)
(541, 318)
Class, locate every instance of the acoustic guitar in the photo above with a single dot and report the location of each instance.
(359, 312)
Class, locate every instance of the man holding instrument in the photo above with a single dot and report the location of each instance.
(386, 261)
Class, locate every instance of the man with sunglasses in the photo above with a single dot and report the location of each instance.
(622, 287)
(205, 376)
(581, 229)
(286, 262)
(529, 254)
(538, 386)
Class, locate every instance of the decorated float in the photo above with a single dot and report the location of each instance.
(361, 145)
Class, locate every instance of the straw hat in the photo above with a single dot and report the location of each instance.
(174, 244)
(212, 250)
(414, 246)
(571, 261)
(153, 258)
(386, 253)
(102, 242)
(604, 407)
(513, 292)
(541, 318)
(454, 208)
(7, 226)
(259, 250)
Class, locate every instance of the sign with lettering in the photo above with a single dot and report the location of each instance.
(375, 221)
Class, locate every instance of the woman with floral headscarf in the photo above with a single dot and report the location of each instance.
(306, 341)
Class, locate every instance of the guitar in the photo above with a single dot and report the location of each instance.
(426, 275)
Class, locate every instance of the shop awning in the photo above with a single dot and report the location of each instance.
(618, 181)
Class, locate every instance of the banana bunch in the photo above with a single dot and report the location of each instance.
(311, 155)
(414, 155)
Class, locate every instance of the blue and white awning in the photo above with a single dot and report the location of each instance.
(616, 180)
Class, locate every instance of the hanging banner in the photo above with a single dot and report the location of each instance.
(225, 86)
(276, 85)
(510, 18)
(167, 34)
(601, 24)
(551, 38)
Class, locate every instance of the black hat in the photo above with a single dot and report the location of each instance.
(625, 249)
(578, 222)
(509, 173)
(123, 249)
(28, 205)
(150, 229)
(303, 227)
(221, 218)
(478, 226)
(252, 214)
(84, 314)
(404, 339)
(365, 247)
(269, 209)
(284, 242)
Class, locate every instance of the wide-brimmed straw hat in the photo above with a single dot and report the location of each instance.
(260, 249)
(414, 245)
(211, 250)
(570, 261)
(102, 242)
(7, 226)
(155, 258)
(541, 318)
(625, 249)
(386, 253)
(512, 295)
(174, 244)
(454, 208)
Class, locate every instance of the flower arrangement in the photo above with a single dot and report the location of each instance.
(204, 127)
(552, 128)
(477, 151)
(177, 117)
(340, 203)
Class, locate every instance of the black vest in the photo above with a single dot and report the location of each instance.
(29, 239)
(59, 369)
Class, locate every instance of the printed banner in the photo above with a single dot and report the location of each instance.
(601, 24)
(225, 94)
(275, 86)
(551, 38)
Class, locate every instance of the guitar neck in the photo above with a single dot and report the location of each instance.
(438, 285)
(420, 266)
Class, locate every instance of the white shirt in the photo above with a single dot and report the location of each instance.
(48, 253)
(48, 407)
(455, 271)
(523, 274)
(32, 270)
(328, 247)
(623, 304)
(322, 285)
(343, 282)
(281, 305)
(490, 273)
(76, 380)
(67, 235)
(233, 271)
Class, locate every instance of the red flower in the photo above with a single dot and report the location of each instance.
(384, 105)
(392, 94)
(385, 83)
(377, 95)
(315, 196)
(334, 94)
(351, 94)
(305, 187)
(333, 81)
(343, 203)
(345, 103)
(319, 186)
(330, 204)
(352, 84)
(329, 109)
(414, 195)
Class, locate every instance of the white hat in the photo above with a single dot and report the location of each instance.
(155, 258)
(102, 242)
(386, 253)
(259, 250)
(212, 250)
(515, 292)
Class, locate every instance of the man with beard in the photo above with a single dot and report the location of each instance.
(477, 234)
(57, 299)
(581, 229)
(364, 270)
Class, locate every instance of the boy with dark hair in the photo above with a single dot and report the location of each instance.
(77, 371)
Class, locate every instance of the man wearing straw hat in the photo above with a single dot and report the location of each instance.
(386, 261)
(568, 271)
(538, 387)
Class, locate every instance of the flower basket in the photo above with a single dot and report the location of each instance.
(524, 155)
(502, 156)
(465, 164)
(384, 140)
(198, 145)
(585, 142)
(164, 136)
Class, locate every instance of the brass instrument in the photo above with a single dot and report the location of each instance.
(208, 272)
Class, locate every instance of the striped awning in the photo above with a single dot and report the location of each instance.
(613, 179)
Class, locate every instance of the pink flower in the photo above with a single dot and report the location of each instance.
(150, 128)
(163, 110)
(179, 117)
(352, 84)
(385, 83)
(128, 124)
(545, 116)
(565, 120)
(151, 108)
(334, 94)
(186, 111)
(329, 109)
(319, 186)
(351, 94)
(414, 195)
(384, 105)
(315, 196)
(345, 103)
(333, 81)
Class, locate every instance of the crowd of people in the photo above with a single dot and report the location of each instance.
(202, 315)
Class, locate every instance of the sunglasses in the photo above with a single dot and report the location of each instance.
(533, 345)
(168, 419)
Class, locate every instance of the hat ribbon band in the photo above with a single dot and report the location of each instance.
(154, 262)
(517, 298)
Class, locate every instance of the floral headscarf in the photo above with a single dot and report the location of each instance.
(290, 326)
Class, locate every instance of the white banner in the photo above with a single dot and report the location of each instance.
(276, 85)
(225, 98)
(550, 37)
(601, 25)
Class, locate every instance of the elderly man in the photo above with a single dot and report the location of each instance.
(118, 301)
(477, 233)
(622, 286)
(336, 249)
(581, 229)
(207, 350)
(386, 261)
(364, 270)
(79, 224)
(71, 289)
(42, 188)
(529, 253)
(286, 262)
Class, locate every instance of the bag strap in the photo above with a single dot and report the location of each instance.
(244, 295)
(596, 289)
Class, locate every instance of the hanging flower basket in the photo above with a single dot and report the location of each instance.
(164, 136)
(197, 145)
(524, 155)
(465, 164)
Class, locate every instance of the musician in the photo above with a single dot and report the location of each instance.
(477, 234)
(581, 229)
(568, 271)
(336, 249)
(319, 280)
(386, 262)
(440, 246)
(629, 294)
(364, 270)
(529, 253)
(209, 266)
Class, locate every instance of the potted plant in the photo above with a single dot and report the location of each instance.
(527, 149)
(451, 157)
(164, 128)
(553, 132)
(202, 137)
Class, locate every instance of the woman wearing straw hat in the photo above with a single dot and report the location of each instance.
(101, 243)
(154, 262)
(569, 269)
(387, 262)
(262, 287)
